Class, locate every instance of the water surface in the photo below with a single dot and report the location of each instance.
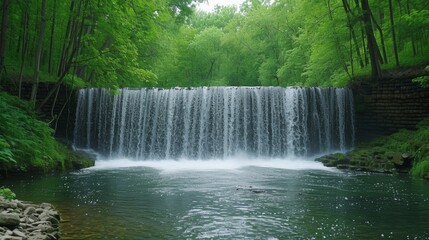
(231, 200)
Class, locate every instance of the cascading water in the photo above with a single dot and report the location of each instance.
(214, 122)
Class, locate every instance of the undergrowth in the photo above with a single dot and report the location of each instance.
(413, 142)
(7, 194)
(25, 142)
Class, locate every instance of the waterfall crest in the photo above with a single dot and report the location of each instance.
(214, 122)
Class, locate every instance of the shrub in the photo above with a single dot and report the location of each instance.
(25, 142)
(7, 193)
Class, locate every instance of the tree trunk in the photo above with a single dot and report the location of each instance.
(38, 54)
(392, 26)
(337, 41)
(51, 40)
(372, 43)
(383, 59)
(3, 36)
(66, 40)
(25, 39)
(74, 45)
(352, 32)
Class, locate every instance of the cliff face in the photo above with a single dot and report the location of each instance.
(385, 106)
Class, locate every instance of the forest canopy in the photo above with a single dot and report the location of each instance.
(167, 43)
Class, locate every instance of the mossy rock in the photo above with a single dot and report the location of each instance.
(343, 166)
(397, 159)
(76, 161)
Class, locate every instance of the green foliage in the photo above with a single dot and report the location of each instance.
(421, 169)
(415, 143)
(25, 143)
(165, 43)
(289, 42)
(423, 80)
(7, 193)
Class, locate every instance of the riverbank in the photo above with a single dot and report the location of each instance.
(406, 151)
(27, 144)
(21, 220)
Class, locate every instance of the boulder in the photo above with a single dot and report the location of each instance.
(9, 220)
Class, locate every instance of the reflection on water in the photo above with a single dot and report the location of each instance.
(255, 202)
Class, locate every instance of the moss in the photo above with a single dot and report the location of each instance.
(76, 161)
(404, 151)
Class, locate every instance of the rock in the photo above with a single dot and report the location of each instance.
(258, 191)
(22, 220)
(53, 220)
(38, 236)
(9, 220)
(29, 210)
(18, 233)
(46, 206)
(54, 236)
(20, 205)
(397, 159)
(343, 166)
(11, 238)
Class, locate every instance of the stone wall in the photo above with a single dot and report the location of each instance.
(59, 113)
(385, 106)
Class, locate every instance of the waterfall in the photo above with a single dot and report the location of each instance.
(214, 122)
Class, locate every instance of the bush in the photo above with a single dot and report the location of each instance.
(421, 169)
(7, 193)
(25, 142)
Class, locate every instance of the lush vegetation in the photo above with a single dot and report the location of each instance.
(405, 150)
(166, 43)
(7, 194)
(27, 143)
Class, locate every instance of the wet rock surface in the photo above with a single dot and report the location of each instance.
(369, 161)
(21, 220)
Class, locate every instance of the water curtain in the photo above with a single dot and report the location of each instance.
(214, 122)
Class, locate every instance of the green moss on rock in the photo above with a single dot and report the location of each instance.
(404, 151)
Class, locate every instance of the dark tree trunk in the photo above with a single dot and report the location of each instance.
(3, 36)
(25, 39)
(383, 59)
(372, 43)
(392, 26)
(51, 40)
(38, 53)
(73, 45)
(66, 40)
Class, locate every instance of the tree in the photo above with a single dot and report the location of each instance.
(38, 53)
(5, 11)
(372, 42)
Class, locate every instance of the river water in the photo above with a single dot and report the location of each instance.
(231, 199)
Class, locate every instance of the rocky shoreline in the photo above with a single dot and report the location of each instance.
(20, 220)
(369, 161)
